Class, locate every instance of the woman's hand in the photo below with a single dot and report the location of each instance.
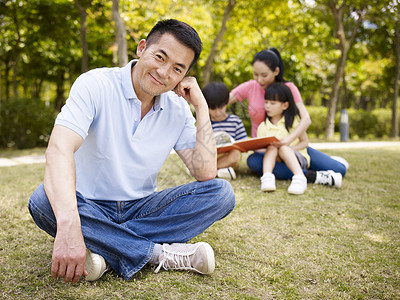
(282, 142)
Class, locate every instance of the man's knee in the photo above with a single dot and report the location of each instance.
(38, 198)
(41, 210)
(226, 194)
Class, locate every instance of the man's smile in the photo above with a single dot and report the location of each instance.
(156, 80)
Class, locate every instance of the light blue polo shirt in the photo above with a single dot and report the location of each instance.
(121, 155)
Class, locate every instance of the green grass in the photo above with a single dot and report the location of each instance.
(325, 244)
(11, 152)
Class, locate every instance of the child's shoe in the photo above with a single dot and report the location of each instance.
(298, 185)
(268, 182)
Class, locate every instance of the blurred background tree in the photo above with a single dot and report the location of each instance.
(45, 45)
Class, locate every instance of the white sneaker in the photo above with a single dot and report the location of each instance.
(197, 257)
(329, 178)
(298, 185)
(341, 160)
(268, 182)
(226, 173)
(96, 266)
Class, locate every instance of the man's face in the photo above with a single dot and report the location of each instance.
(162, 65)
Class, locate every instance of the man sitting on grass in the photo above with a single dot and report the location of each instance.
(109, 142)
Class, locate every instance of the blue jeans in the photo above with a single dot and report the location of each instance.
(125, 233)
(318, 162)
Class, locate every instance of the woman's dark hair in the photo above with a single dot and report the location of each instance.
(183, 32)
(216, 94)
(272, 59)
(279, 91)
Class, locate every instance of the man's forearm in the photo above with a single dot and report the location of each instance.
(68, 260)
(60, 184)
(205, 154)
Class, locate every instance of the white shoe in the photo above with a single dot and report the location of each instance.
(96, 266)
(329, 178)
(341, 160)
(268, 182)
(298, 185)
(197, 257)
(226, 173)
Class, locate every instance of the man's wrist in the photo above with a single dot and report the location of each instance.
(68, 221)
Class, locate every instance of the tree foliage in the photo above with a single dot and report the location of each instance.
(43, 47)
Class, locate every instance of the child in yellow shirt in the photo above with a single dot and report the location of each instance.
(281, 117)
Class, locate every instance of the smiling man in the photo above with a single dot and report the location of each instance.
(118, 126)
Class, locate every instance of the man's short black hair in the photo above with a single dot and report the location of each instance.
(216, 94)
(183, 32)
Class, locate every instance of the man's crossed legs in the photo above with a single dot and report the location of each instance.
(127, 234)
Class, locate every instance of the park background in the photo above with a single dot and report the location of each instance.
(326, 244)
(340, 54)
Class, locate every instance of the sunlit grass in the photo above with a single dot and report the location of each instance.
(325, 244)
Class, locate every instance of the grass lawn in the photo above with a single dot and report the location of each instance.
(326, 244)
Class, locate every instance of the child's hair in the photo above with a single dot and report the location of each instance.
(216, 94)
(279, 91)
(272, 58)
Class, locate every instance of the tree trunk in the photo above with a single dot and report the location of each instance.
(15, 82)
(121, 34)
(210, 60)
(344, 46)
(84, 43)
(59, 101)
(395, 117)
(6, 74)
(37, 88)
(15, 49)
(330, 124)
(345, 99)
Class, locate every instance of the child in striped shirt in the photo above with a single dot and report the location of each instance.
(224, 125)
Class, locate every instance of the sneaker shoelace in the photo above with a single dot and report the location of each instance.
(175, 261)
(327, 179)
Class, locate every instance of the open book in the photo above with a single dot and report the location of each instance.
(247, 145)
